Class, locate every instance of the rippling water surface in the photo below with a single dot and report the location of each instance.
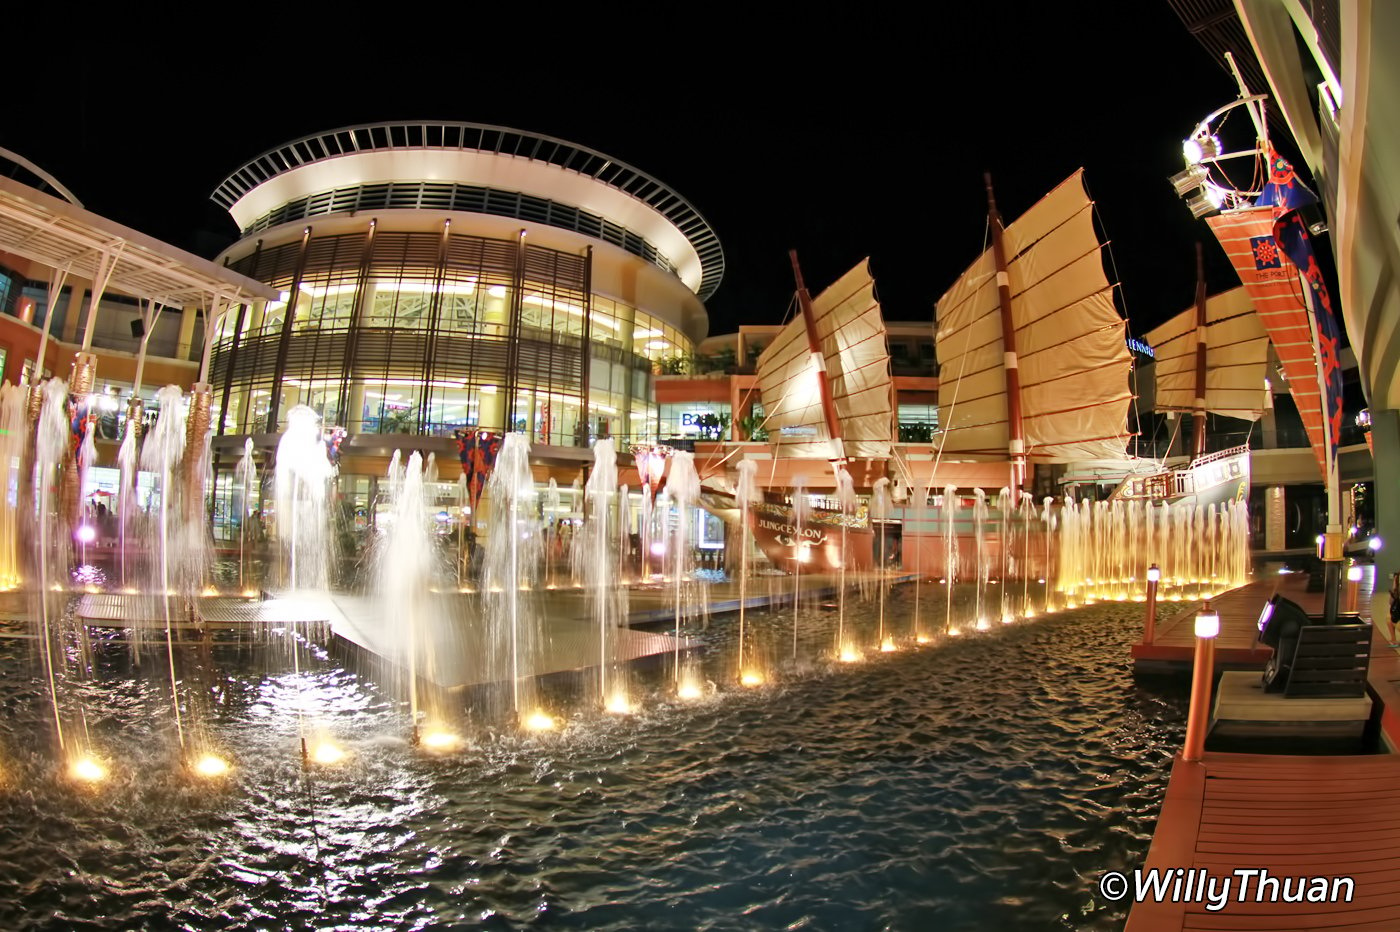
(983, 782)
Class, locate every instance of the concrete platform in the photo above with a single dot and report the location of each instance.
(451, 654)
(1244, 710)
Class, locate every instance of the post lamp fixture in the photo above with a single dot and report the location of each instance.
(1202, 679)
(1149, 629)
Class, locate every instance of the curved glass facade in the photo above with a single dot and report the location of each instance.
(423, 333)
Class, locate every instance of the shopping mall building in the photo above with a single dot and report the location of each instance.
(422, 279)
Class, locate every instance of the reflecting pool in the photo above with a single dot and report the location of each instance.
(979, 782)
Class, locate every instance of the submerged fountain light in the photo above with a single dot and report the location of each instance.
(210, 765)
(619, 704)
(538, 720)
(689, 690)
(751, 678)
(955, 632)
(850, 654)
(88, 769)
(888, 646)
(439, 739)
(327, 752)
(922, 639)
(983, 624)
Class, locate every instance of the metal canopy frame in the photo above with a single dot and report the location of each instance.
(44, 229)
(72, 241)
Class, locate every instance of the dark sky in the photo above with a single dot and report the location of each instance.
(841, 137)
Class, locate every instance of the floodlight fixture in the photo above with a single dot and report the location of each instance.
(1189, 179)
(1200, 204)
(1200, 148)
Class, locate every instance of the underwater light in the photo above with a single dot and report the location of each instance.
(922, 639)
(619, 704)
(88, 769)
(210, 765)
(887, 646)
(983, 624)
(327, 752)
(955, 632)
(849, 654)
(751, 678)
(437, 738)
(688, 690)
(1007, 618)
(538, 720)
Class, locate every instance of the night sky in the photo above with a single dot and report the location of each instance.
(863, 135)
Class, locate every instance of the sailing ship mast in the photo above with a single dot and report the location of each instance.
(1016, 441)
(809, 323)
(1198, 413)
(1049, 381)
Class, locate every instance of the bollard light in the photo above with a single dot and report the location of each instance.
(1207, 622)
(1149, 632)
(1202, 682)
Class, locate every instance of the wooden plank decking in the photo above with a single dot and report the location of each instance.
(1236, 647)
(1293, 816)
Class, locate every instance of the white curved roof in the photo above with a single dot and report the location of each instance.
(492, 157)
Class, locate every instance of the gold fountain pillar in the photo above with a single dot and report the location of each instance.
(192, 465)
(79, 387)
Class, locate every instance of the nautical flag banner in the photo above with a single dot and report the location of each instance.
(1283, 191)
(1272, 282)
(477, 451)
(1292, 237)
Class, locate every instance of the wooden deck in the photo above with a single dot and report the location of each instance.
(1292, 816)
(1236, 647)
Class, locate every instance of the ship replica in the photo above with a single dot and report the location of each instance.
(827, 395)
(1033, 361)
(1211, 358)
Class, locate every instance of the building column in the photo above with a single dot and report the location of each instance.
(490, 412)
(72, 311)
(1385, 437)
(354, 416)
(186, 339)
(1275, 519)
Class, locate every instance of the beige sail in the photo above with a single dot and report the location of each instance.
(855, 361)
(1073, 358)
(1237, 354)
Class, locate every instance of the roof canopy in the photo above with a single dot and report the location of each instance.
(44, 229)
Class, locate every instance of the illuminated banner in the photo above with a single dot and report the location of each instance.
(477, 450)
(1273, 285)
